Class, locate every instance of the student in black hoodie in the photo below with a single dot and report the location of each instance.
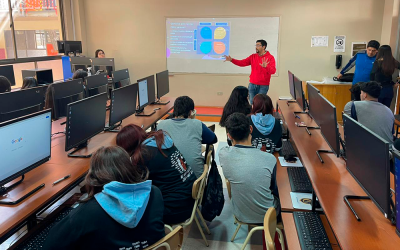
(167, 166)
(267, 130)
(122, 211)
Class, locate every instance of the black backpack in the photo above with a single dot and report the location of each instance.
(348, 77)
(213, 197)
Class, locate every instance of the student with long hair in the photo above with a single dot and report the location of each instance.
(99, 53)
(237, 102)
(382, 71)
(5, 84)
(29, 82)
(122, 210)
(267, 131)
(48, 100)
(167, 167)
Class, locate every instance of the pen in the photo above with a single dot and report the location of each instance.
(60, 180)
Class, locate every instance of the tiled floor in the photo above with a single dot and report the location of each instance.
(222, 227)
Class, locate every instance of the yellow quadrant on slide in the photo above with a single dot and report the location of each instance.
(219, 47)
(219, 33)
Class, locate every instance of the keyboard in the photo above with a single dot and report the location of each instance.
(36, 240)
(311, 231)
(287, 148)
(299, 181)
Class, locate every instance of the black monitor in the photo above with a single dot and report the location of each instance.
(23, 102)
(314, 99)
(80, 63)
(61, 47)
(396, 171)
(72, 47)
(121, 78)
(162, 84)
(8, 72)
(368, 162)
(146, 94)
(123, 103)
(96, 84)
(65, 93)
(298, 86)
(291, 85)
(44, 77)
(105, 65)
(86, 118)
(327, 121)
(25, 144)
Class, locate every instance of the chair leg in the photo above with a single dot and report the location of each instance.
(202, 220)
(249, 236)
(281, 238)
(237, 230)
(201, 230)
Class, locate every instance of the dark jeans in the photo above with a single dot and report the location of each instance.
(386, 95)
(256, 89)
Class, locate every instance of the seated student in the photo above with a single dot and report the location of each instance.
(188, 133)
(99, 53)
(250, 171)
(5, 84)
(122, 210)
(79, 74)
(355, 92)
(373, 114)
(267, 131)
(167, 169)
(237, 102)
(48, 100)
(29, 82)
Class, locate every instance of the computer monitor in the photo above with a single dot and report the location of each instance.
(327, 121)
(396, 166)
(123, 103)
(368, 162)
(61, 47)
(78, 62)
(96, 84)
(298, 87)
(72, 47)
(8, 72)
(86, 118)
(162, 84)
(104, 64)
(146, 94)
(121, 78)
(291, 85)
(23, 102)
(25, 144)
(314, 99)
(65, 93)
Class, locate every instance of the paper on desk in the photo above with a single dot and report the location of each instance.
(301, 200)
(289, 164)
(285, 98)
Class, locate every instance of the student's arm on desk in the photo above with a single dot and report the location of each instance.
(207, 136)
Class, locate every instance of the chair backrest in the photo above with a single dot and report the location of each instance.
(270, 228)
(173, 240)
(228, 187)
(198, 185)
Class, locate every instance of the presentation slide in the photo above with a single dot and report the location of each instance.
(198, 45)
(24, 143)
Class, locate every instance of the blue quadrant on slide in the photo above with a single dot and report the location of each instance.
(205, 40)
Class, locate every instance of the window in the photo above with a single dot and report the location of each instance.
(37, 27)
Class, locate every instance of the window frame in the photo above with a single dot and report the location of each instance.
(32, 59)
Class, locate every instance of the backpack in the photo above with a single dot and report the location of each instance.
(213, 197)
(348, 77)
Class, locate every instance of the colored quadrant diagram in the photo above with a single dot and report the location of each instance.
(212, 40)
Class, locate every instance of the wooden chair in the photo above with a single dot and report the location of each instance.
(276, 228)
(270, 228)
(197, 195)
(171, 241)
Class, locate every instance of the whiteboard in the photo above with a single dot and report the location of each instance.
(197, 45)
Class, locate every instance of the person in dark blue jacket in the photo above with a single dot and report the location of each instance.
(363, 61)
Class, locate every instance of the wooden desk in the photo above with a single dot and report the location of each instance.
(331, 182)
(60, 165)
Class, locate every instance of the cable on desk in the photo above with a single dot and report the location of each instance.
(57, 133)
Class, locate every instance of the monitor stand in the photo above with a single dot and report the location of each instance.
(159, 102)
(140, 112)
(83, 145)
(323, 151)
(113, 128)
(354, 197)
(290, 101)
(308, 129)
(4, 190)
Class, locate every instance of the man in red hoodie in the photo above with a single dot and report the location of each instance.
(262, 67)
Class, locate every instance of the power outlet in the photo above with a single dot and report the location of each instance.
(219, 93)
